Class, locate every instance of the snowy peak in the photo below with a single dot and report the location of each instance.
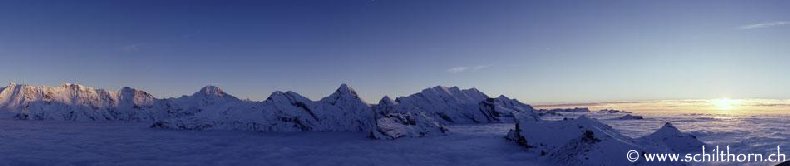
(669, 126)
(211, 91)
(343, 94)
(673, 138)
(505, 98)
(667, 130)
(344, 87)
(454, 105)
(443, 89)
(345, 90)
(455, 92)
(130, 97)
(214, 94)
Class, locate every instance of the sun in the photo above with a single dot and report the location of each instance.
(724, 104)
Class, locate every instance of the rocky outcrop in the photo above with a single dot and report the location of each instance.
(629, 117)
(392, 125)
(575, 109)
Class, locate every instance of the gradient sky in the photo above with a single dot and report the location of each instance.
(536, 51)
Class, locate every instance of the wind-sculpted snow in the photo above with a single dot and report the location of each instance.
(586, 141)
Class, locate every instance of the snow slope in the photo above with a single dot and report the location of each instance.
(587, 141)
(677, 141)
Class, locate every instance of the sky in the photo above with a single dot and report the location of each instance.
(535, 51)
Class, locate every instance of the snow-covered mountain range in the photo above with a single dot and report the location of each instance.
(422, 113)
(453, 105)
(577, 141)
(343, 110)
(76, 102)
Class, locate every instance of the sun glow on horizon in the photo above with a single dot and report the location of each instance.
(724, 104)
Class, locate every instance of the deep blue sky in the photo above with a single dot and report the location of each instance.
(536, 51)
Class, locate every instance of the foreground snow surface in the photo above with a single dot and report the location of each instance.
(118, 143)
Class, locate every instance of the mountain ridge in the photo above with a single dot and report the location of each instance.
(420, 114)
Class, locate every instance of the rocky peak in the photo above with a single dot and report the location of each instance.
(669, 125)
(667, 130)
(134, 93)
(345, 90)
(442, 90)
(386, 100)
(385, 105)
(72, 85)
(471, 93)
(131, 91)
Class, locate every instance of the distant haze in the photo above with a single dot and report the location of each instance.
(535, 51)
